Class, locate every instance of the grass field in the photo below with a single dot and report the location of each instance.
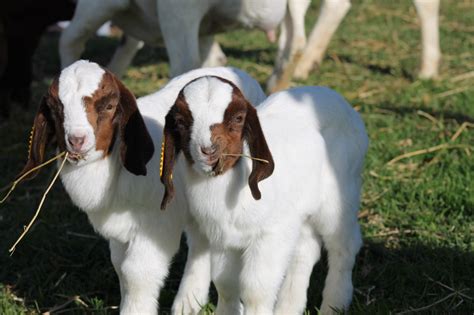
(416, 215)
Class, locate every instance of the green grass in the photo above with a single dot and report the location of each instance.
(416, 215)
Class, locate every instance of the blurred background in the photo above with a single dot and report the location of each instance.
(416, 213)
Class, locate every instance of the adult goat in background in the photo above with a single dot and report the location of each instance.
(186, 27)
(269, 217)
(112, 175)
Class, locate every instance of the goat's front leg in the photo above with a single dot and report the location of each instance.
(264, 266)
(88, 17)
(180, 30)
(332, 13)
(428, 11)
(292, 295)
(226, 267)
(143, 272)
(124, 54)
(193, 290)
(117, 256)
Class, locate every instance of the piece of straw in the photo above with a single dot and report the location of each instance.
(247, 156)
(12, 249)
(29, 172)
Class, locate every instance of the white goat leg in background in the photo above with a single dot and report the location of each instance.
(194, 286)
(124, 54)
(211, 52)
(428, 11)
(88, 17)
(292, 296)
(183, 48)
(332, 13)
(291, 43)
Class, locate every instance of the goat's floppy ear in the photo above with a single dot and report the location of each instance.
(258, 148)
(136, 147)
(42, 133)
(169, 151)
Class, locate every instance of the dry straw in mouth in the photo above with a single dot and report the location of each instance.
(247, 156)
(27, 228)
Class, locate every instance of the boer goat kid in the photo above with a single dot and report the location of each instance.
(112, 139)
(268, 220)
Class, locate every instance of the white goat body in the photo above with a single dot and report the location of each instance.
(318, 143)
(121, 206)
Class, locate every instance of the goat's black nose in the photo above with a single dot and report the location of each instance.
(209, 150)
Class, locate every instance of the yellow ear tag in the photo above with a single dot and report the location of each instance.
(30, 142)
(162, 158)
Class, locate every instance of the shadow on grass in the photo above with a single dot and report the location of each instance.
(428, 274)
(446, 114)
(62, 257)
(375, 68)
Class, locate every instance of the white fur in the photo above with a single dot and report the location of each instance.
(124, 208)
(75, 82)
(318, 143)
(208, 108)
(332, 14)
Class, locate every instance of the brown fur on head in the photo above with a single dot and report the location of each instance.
(111, 111)
(240, 123)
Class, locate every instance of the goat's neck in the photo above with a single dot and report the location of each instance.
(92, 186)
(223, 190)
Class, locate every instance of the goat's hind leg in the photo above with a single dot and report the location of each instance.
(292, 296)
(342, 246)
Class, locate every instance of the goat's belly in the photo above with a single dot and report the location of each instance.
(264, 14)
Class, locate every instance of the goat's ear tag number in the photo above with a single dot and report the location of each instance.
(162, 158)
(30, 141)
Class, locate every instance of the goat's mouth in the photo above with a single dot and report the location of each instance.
(222, 163)
(218, 166)
(75, 157)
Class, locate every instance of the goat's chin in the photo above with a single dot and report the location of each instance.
(210, 170)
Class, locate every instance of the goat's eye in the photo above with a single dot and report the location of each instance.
(109, 107)
(238, 119)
